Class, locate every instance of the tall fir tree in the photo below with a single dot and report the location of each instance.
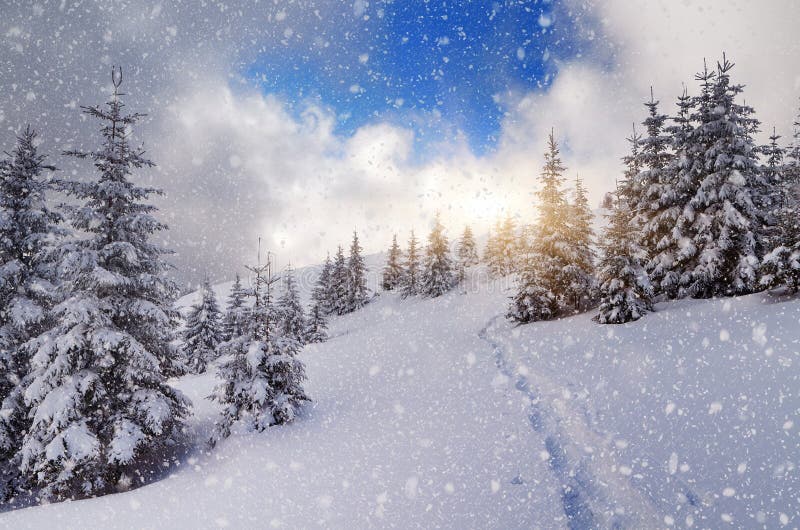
(236, 310)
(653, 182)
(722, 219)
(322, 295)
(792, 166)
(580, 293)
(291, 316)
(437, 276)
(662, 220)
(393, 271)
(356, 277)
(625, 290)
(204, 331)
(98, 394)
(412, 275)
(770, 198)
(780, 267)
(543, 281)
(262, 381)
(340, 282)
(28, 234)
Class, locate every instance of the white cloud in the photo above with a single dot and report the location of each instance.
(266, 170)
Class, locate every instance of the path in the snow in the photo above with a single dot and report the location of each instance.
(576, 452)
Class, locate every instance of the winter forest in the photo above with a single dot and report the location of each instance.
(416, 266)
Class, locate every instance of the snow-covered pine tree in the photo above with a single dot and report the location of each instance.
(542, 281)
(236, 310)
(411, 275)
(669, 192)
(770, 198)
(204, 331)
(467, 249)
(625, 290)
(261, 383)
(581, 288)
(467, 254)
(340, 283)
(316, 325)
(653, 183)
(99, 400)
(492, 253)
(28, 233)
(792, 165)
(356, 277)
(437, 276)
(507, 247)
(291, 316)
(722, 219)
(393, 271)
(780, 266)
(322, 295)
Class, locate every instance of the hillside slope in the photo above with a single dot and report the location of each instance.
(438, 413)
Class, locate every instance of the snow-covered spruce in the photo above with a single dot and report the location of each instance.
(393, 271)
(356, 278)
(466, 255)
(721, 219)
(780, 267)
(98, 395)
(316, 329)
(502, 248)
(261, 382)
(771, 198)
(322, 296)
(28, 232)
(291, 317)
(543, 282)
(581, 293)
(204, 331)
(339, 283)
(625, 290)
(467, 249)
(412, 274)
(438, 276)
(236, 311)
(660, 205)
(649, 186)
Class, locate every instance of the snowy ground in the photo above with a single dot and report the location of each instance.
(438, 413)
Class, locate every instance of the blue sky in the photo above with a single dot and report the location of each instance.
(432, 66)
